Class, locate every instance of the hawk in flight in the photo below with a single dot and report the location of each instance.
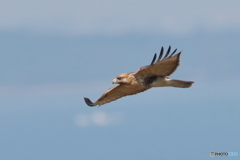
(153, 75)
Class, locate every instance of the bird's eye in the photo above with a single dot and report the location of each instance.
(119, 78)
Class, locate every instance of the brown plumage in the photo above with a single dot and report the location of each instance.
(153, 75)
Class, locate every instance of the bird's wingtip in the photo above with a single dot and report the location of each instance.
(89, 102)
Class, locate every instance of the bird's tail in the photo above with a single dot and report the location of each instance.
(180, 83)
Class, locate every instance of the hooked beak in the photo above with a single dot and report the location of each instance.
(114, 81)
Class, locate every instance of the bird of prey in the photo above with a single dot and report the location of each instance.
(153, 75)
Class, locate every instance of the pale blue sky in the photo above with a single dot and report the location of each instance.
(54, 53)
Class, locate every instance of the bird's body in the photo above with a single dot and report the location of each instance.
(153, 75)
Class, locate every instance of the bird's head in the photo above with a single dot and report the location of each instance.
(121, 79)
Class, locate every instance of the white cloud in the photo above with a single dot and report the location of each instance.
(119, 17)
(98, 118)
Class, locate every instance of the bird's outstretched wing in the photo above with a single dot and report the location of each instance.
(116, 92)
(164, 66)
